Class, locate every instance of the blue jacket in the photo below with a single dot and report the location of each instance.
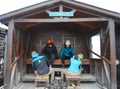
(75, 65)
(67, 52)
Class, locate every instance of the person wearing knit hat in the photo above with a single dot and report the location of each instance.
(80, 56)
(75, 67)
(50, 51)
(66, 52)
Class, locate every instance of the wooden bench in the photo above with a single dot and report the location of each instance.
(72, 77)
(42, 78)
(57, 70)
(59, 61)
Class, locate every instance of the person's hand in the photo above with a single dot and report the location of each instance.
(50, 66)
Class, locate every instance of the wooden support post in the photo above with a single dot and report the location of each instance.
(61, 9)
(113, 84)
(9, 54)
(104, 46)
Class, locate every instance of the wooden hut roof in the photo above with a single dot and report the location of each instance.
(40, 10)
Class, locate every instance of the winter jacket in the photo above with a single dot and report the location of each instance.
(75, 65)
(39, 64)
(68, 52)
(48, 51)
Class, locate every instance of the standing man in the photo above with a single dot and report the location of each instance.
(50, 51)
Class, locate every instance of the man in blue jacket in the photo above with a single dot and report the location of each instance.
(39, 64)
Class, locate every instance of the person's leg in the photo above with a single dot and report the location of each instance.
(68, 58)
(63, 61)
(48, 60)
(52, 59)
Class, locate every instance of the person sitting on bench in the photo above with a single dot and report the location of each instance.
(66, 52)
(76, 64)
(39, 64)
(50, 51)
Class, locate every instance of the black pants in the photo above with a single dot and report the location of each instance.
(50, 59)
(64, 58)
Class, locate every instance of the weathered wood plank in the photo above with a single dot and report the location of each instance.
(61, 20)
(8, 55)
(31, 85)
(83, 77)
(113, 84)
(59, 62)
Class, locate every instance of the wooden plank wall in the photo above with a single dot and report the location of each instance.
(98, 70)
(58, 33)
(118, 43)
(19, 44)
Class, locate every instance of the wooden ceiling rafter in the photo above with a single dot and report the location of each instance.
(80, 13)
(84, 11)
(27, 26)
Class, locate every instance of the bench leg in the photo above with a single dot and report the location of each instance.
(78, 82)
(68, 82)
(36, 83)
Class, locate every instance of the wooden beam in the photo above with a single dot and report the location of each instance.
(48, 11)
(61, 8)
(113, 84)
(91, 8)
(8, 55)
(103, 58)
(84, 11)
(107, 71)
(87, 25)
(61, 20)
(37, 12)
(73, 10)
(47, 4)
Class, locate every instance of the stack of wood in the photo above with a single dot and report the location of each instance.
(2, 42)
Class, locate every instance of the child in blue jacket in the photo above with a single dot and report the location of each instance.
(75, 64)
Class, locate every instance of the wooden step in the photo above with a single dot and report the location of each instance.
(83, 77)
(88, 78)
(28, 77)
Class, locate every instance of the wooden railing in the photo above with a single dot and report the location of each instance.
(103, 58)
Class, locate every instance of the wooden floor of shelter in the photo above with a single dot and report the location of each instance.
(28, 82)
(31, 85)
(84, 77)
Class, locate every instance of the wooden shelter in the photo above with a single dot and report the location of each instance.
(30, 27)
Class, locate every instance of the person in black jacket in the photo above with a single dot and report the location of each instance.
(39, 64)
(50, 51)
